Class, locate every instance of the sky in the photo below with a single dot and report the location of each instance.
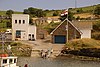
(20, 5)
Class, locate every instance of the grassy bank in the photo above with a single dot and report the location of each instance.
(83, 43)
(17, 49)
(83, 47)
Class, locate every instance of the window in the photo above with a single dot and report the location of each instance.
(19, 21)
(4, 61)
(10, 60)
(33, 37)
(23, 21)
(29, 36)
(18, 34)
(14, 60)
(15, 21)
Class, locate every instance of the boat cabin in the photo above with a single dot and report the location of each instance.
(8, 62)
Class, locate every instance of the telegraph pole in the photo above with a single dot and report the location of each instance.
(67, 28)
(75, 3)
(75, 7)
(3, 38)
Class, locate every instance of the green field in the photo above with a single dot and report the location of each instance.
(4, 12)
(87, 9)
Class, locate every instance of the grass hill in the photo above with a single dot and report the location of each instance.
(84, 43)
(87, 9)
(84, 12)
(4, 12)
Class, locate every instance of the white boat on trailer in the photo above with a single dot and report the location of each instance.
(9, 61)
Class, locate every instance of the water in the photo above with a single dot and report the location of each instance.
(58, 62)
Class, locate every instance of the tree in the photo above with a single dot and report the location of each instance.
(34, 12)
(80, 10)
(9, 25)
(40, 13)
(96, 26)
(78, 18)
(9, 13)
(97, 10)
(55, 13)
(26, 11)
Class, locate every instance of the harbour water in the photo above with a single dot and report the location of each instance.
(57, 62)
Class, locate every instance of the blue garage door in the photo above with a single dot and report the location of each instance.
(61, 39)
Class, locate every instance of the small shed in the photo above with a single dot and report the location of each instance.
(41, 33)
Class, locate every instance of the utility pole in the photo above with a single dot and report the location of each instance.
(3, 37)
(67, 28)
(3, 40)
(75, 7)
(93, 12)
(75, 3)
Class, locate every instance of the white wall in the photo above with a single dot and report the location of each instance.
(12, 64)
(26, 29)
(22, 27)
(32, 30)
(86, 33)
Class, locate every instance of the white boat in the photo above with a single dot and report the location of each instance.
(5, 59)
(8, 61)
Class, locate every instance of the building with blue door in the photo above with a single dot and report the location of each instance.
(21, 29)
(68, 30)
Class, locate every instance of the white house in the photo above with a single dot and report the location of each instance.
(21, 29)
(85, 27)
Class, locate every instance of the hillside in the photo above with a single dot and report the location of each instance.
(83, 12)
(86, 11)
(4, 12)
(83, 15)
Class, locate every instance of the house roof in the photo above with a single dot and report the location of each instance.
(83, 24)
(68, 22)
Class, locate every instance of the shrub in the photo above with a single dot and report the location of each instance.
(96, 35)
(15, 44)
(83, 43)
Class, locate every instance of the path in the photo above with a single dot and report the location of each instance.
(39, 44)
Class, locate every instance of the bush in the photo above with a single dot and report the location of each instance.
(83, 43)
(83, 47)
(96, 35)
(15, 44)
(96, 26)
